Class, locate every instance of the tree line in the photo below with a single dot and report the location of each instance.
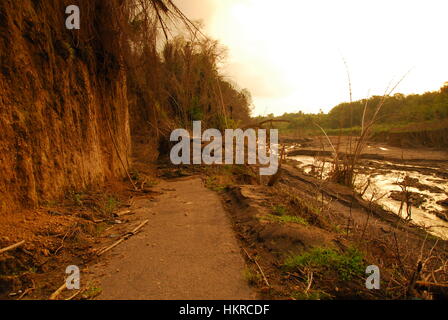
(398, 110)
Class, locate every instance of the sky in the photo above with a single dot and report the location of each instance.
(292, 54)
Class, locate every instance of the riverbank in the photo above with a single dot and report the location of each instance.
(302, 238)
(396, 178)
(304, 220)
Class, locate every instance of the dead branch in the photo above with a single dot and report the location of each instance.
(431, 284)
(27, 291)
(75, 295)
(56, 294)
(310, 281)
(123, 238)
(259, 268)
(14, 246)
(124, 213)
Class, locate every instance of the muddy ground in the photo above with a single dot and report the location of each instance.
(399, 177)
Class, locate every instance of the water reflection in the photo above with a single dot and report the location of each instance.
(383, 183)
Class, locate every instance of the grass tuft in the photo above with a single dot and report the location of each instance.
(253, 278)
(279, 210)
(312, 295)
(347, 265)
(287, 218)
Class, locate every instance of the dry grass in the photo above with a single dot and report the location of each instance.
(345, 163)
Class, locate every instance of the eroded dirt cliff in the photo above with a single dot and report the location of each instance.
(63, 114)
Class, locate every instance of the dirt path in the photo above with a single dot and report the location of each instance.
(187, 250)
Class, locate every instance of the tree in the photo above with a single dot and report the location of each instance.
(444, 88)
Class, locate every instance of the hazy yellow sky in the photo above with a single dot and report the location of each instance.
(289, 53)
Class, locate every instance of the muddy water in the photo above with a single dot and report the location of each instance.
(383, 183)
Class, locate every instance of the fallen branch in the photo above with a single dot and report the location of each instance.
(310, 281)
(102, 251)
(56, 294)
(27, 291)
(123, 238)
(431, 284)
(259, 268)
(124, 213)
(12, 247)
(75, 295)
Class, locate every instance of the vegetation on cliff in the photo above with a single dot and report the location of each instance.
(67, 96)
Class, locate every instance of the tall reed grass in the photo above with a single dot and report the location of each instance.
(345, 162)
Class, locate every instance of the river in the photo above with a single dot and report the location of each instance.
(428, 188)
